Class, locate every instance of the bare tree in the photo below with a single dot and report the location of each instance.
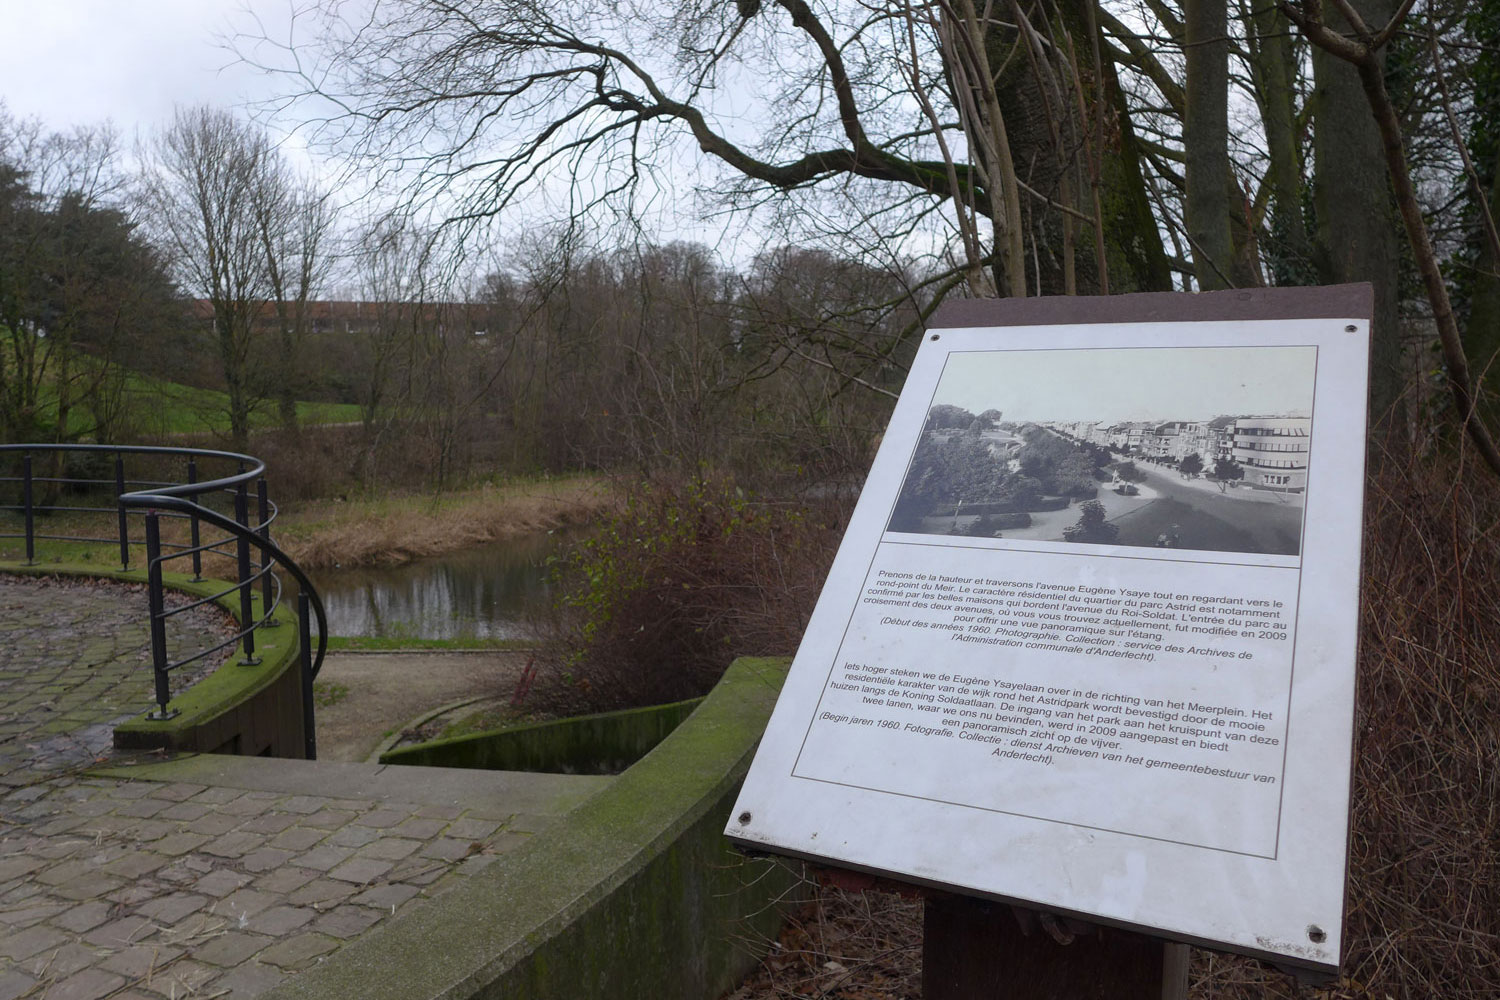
(900, 118)
(206, 173)
(296, 225)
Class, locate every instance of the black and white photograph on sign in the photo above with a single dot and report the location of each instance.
(1204, 448)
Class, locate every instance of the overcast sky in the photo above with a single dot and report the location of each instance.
(1175, 383)
(79, 62)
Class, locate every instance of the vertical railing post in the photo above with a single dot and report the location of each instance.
(242, 550)
(267, 581)
(304, 636)
(28, 502)
(157, 603)
(193, 522)
(120, 512)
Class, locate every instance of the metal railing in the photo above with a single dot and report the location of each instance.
(182, 496)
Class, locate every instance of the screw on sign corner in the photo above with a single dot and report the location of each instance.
(745, 818)
(1316, 934)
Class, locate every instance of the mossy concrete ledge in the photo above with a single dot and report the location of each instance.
(252, 710)
(635, 894)
(604, 743)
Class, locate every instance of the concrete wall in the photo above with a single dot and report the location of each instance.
(635, 894)
(606, 743)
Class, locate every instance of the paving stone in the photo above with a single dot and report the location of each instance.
(389, 849)
(177, 791)
(324, 857)
(250, 979)
(244, 904)
(303, 804)
(141, 807)
(173, 908)
(136, 864)
(420, 828)
(175, 844)
(65, 872)
(322, 893)
(385, 897)
(380, 819)
(24, 944)
(218, 796)
(440, 812)
(16, 867)
(62, 962)
(472, 829)
(231, 949)
(14, 984)
(489, 811)
(351, 805)
(285, 879)
(360, 871)
(88, 887)
(90, 984)
(83, 917)
(148, 831)
(234, 845)
(354, 836)
(447, 849)
(140, 961)
(220, 882)
(265, 859)
(183, 978)
(328, 819)
(131, 790)
(269, 823)
(134, 894)
(37, 910)
(298, 838)
(214, 824)
(348, 920)
(121, 933)
(300, 951)
(279, 921)
(186, 810)
(243, 807)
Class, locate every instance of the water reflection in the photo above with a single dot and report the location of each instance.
(485, 592)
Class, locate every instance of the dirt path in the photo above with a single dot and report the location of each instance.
(388, 690)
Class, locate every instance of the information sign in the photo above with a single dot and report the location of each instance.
(1089, 641)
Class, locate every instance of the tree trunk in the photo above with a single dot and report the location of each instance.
(1274, 66)
(1206, 142)
(1106, 148)
(1358, 234)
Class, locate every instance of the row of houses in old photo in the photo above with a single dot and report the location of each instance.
(1272, 450)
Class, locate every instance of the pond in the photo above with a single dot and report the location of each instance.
(490, 591)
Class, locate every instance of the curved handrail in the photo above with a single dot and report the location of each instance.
(229, 524)
(176, 497)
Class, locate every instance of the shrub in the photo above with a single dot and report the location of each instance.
(684, 579)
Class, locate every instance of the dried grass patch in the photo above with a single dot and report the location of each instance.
(390, 532)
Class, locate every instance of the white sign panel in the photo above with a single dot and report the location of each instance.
(1089, 642)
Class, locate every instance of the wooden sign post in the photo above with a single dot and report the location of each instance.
(1088, 646)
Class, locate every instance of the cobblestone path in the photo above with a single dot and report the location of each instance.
(207, 876)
